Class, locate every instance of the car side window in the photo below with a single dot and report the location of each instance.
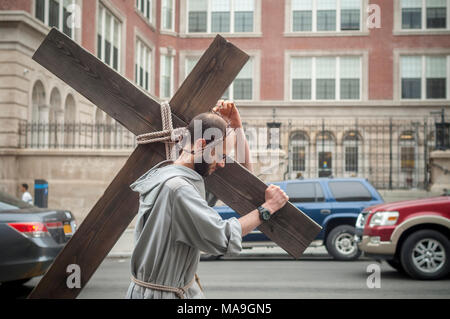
(304, 192)
(349, 191)
(319, 193)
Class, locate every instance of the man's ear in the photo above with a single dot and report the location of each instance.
(200, 144)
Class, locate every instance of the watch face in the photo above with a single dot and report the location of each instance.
(266, 215)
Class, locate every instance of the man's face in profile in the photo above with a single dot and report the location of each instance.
(205, 167)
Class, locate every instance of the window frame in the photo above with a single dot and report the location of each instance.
(337, 77)
(184, 21)
(165, 52)
(423, 78)
(255, 56)
(398, 21)
(140, 40)
(121, 38)
(148, 19)
(162, 28)
(60, 13)
(289, 22)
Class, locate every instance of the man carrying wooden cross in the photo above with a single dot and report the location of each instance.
(174, 220)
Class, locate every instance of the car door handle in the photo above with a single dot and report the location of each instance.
(325, 211)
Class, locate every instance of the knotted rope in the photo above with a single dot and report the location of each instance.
(168, 135)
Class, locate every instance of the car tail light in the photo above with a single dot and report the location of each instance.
(54, 225)
(30, 229)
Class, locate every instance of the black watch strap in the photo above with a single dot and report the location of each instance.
(264, 213)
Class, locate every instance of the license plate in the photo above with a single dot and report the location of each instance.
(67, 229)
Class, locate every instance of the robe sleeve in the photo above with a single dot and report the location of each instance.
(211, 199)
(196, 224)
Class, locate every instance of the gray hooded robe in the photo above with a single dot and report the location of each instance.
(174, 224)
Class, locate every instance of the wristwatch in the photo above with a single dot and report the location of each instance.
(264, 213)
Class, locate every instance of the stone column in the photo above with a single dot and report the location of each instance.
(440, 171)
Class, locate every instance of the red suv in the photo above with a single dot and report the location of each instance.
(412, 236)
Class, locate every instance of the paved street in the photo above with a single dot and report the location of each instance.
(271, 276)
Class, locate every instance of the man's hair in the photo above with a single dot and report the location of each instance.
(209, 121)
(25, 186)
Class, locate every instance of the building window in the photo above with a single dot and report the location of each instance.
(298, 148)
(411, 69)
(326, 78)
(424, 77)
(166, 83)
(326, 15)
(108, 38)
(243, 15)
(436, 73)
(167, 12)
(190, 63)
(407, 152)
(145, 7)
(218, 16)
(350, 71)
(322, 15)
(242, 86)
(350, 14)
(351, 151)
(143, 64)
(302, 12)
(301, 71)
(55, 13)
(424, 14)
(325, 145)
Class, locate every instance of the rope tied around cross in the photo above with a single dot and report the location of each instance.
(170, 136)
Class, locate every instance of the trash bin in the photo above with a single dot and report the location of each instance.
(40, 193)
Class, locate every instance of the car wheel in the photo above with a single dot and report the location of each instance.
(341, 244)
(425, 255)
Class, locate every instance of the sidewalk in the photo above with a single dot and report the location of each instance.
(124, 246)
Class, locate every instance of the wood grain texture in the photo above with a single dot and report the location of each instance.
(101, 229)
(140, 113)
(290, 228)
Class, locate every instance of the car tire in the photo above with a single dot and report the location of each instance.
(15, 283)
(396, 264)
(341, 245)
(425, 255)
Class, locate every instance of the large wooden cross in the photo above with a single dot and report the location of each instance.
(138, 112)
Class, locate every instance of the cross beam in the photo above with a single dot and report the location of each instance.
(140, 113)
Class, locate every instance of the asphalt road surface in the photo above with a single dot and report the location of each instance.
(270, 277)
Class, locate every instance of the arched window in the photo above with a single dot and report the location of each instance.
(99, 127)
(69, 121)
(408, 145)
(56, 111)
(351, 143)
(299, 151)
(38, 102)
(325, 145)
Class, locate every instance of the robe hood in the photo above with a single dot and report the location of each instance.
(153, 179)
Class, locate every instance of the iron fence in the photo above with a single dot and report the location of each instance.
(390, 153)
(75, 135)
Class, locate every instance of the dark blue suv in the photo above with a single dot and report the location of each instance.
(334, 203)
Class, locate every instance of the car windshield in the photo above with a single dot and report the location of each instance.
(8, 202)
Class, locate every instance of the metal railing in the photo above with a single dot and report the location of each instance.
(75, 136)
(391, 154)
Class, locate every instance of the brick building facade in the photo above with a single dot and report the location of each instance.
(347, 97)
